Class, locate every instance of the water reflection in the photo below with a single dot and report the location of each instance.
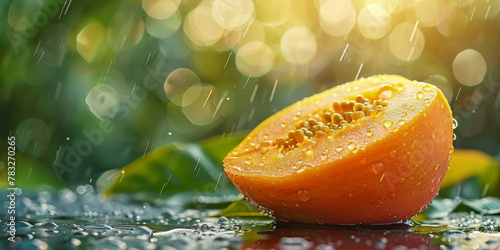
(303, 236)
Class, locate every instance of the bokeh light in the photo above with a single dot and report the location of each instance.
(337, 17)
(33, 137)
(255, 59)
(406, 42)
(103, 101)
(430, 12)
(454, 23)
(201, 28)
(232, 15)
(200, 104)
(469, 67)
(374, 21)
(163, 28)
(298, 45)
(176, 84)
(273, 13)
(91, 40)
(160, 9)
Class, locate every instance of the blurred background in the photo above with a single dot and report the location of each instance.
(88, 86)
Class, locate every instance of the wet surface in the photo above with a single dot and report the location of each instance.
(82, 219)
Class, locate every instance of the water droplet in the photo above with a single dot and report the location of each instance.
(432, 190)
(377, 167)
(320, 222)
(50, 225)
(323, 156)
(427, 87)
(350, 195)
(437, 167)
(351, 146)
(419, 183)
(392, 153)
(387, 123)
(401, 122)
(369, 133)
(454, 136)
(420, 95)
(455, 123)
(399, 86)
(303, 195)
(413, 144)
(385, 92)
(297, 204)
(339, 148)
(363, 161)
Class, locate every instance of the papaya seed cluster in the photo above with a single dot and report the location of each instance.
(329, 120)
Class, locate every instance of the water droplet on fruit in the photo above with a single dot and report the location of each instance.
(437, 167)
(351, 146)
(455, 123)
(303, 195)
(297, 204)
(418, 183)
(420, 95)
(432, 190)
(413, 144)
(369, 133)
(320, 222)
(385, 92)
(339, 148)
(377, 167)
(401, 122)
(427, 87)
(387, 123)
(392, 153)
(399, 86)
(350, 195)
(454, 136)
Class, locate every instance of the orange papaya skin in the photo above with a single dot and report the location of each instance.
(382, 168)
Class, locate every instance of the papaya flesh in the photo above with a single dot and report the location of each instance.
(370, 151)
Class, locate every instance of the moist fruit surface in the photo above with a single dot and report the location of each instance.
(369, 151)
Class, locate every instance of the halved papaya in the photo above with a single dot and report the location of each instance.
(370, 151)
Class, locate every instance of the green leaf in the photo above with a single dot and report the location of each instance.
(175, 167)
(440, 208)
(30, 175)
(473, 173)
(487, 205)
(240, 208)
